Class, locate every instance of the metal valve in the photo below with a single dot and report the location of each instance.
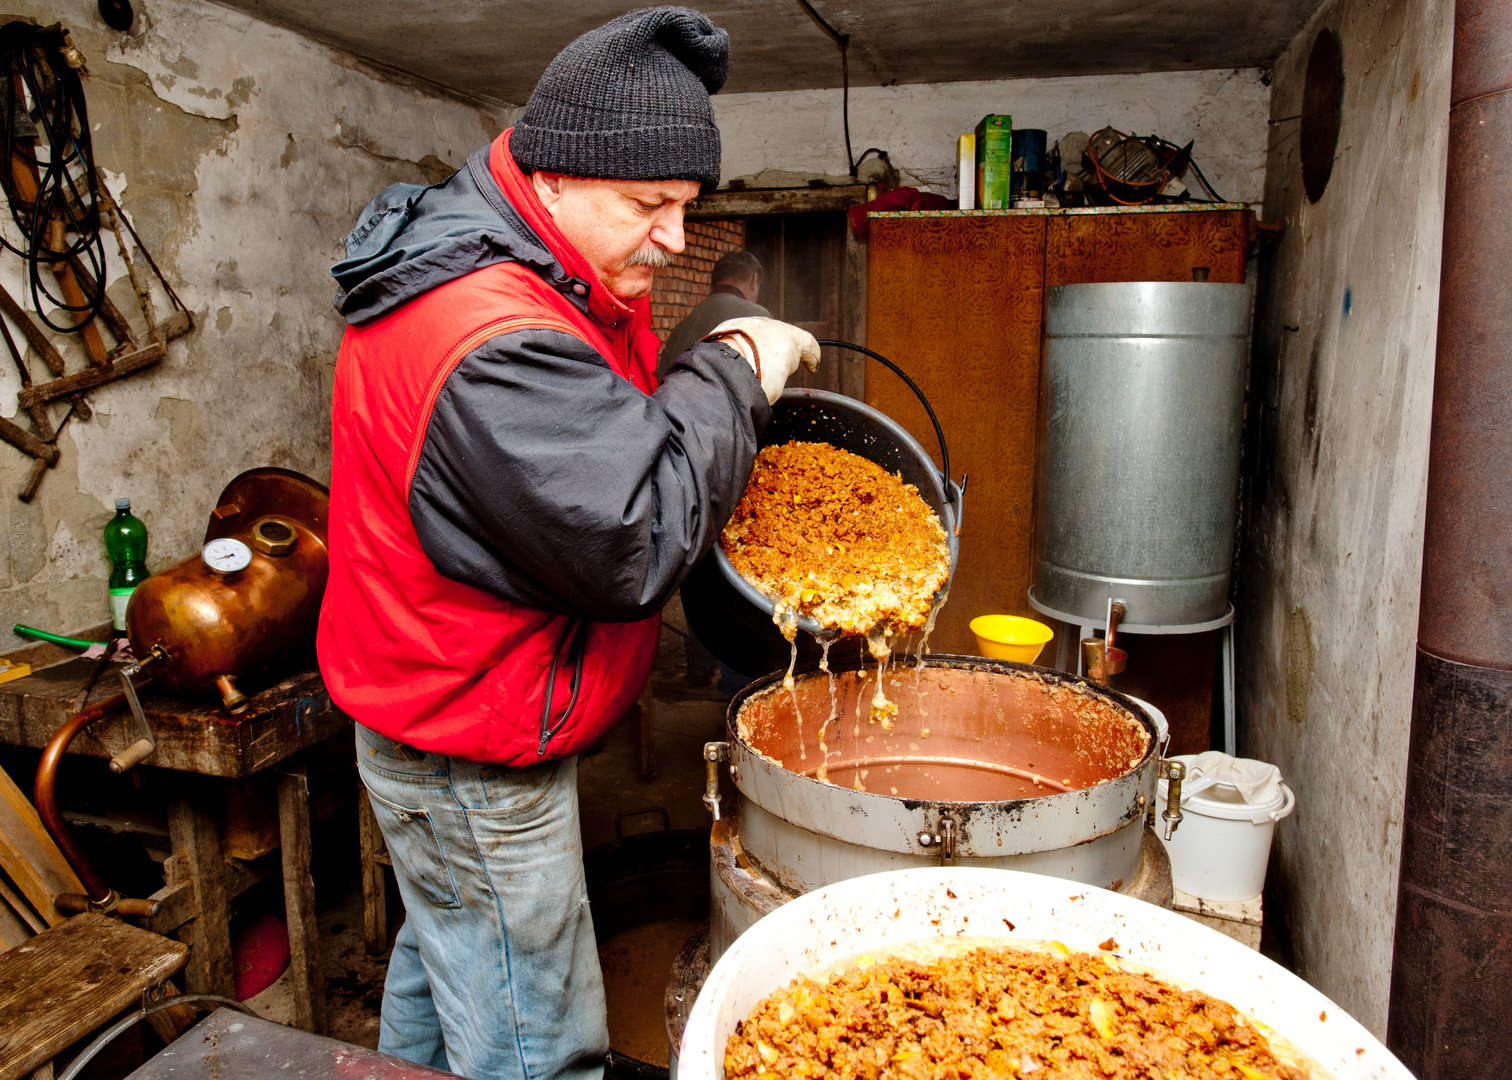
(1173, 772)
(1101, 659)
(713, 754)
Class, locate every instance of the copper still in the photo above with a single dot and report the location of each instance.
(248, 599)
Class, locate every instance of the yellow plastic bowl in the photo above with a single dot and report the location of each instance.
(1010, 637)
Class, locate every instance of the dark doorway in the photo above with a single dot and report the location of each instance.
(802, 256)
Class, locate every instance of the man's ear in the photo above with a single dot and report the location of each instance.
(548, 188)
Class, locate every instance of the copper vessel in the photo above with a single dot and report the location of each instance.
(986, 762)
(244, 603)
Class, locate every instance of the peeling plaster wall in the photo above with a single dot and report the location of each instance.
(1338, 457)
(773, 139)
(243, 153)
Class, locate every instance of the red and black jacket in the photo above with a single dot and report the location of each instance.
(512, 496)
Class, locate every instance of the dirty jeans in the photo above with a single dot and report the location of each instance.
(495, 972)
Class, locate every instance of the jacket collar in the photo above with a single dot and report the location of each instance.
(603, 306)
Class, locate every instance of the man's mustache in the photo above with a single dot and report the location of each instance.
(651, 255)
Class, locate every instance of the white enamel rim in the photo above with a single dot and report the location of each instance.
(871, 913)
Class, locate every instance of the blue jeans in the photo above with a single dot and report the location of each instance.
(495, 973)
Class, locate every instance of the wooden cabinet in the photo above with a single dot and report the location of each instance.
(1141, 245)
(957, 300)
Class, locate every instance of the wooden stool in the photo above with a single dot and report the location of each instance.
(1239, 919)
(59, 986)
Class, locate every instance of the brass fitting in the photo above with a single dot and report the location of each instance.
(1173, 772)
(273, 536)
(713, 754)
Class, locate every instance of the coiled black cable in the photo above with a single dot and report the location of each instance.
(44, 121)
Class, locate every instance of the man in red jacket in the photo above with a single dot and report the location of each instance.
(513, 498)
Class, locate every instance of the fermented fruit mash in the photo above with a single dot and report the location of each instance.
(828, 534)
(997, 1011)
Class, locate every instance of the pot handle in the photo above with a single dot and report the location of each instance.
(956, 494)
(950, 490)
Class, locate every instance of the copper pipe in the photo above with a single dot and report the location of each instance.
(45, 793)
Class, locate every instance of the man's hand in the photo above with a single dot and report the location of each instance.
(773, 349)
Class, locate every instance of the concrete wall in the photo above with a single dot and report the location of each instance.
(773, 139)
(243, 153)
(1338, 451)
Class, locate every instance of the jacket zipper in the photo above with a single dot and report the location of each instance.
(576, 642)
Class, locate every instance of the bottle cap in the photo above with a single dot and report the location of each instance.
(123, 504)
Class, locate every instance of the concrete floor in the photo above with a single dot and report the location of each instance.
(610, 789)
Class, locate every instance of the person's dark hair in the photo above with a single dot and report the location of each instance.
(735, 266)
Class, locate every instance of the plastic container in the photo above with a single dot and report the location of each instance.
(866, 914)
(1010, 637)
(1220, 850)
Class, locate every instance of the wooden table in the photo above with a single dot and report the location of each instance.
(208, 751)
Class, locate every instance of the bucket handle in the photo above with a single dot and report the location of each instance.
(950, 490)
(1288, 803)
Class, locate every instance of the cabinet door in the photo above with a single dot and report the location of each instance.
(1146, 246)
(956, 302)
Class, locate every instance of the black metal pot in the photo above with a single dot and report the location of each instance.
(731, 616)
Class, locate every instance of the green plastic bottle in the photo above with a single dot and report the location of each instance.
(126, 544)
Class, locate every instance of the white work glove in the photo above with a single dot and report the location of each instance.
(773, 349)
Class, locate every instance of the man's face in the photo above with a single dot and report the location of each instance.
(624, 228)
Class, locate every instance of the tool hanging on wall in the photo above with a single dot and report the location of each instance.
(60, 206)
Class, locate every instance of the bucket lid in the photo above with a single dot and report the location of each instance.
(1223, 801)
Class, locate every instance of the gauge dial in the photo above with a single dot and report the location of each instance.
(227, 556)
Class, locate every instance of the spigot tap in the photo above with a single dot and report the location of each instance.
(713, 754)
(1174, 772)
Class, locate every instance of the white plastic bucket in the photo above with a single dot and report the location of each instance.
(1220, 850)
(871, 913)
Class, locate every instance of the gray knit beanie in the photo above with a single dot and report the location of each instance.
(630, 101)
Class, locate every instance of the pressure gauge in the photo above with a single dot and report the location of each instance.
(227, 556)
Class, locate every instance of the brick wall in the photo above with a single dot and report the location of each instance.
(682, 285)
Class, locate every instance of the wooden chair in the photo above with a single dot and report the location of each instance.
(57, 987)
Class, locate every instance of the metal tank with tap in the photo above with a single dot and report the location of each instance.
(988, 763)
(1141, 402)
